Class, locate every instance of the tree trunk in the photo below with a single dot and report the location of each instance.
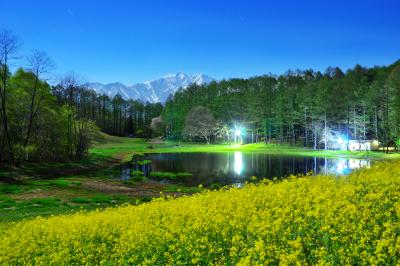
(355, 123)
(31, 113)
(325, 134)
(305, 127)
(4, 113)
(364, 125)
(376, 123)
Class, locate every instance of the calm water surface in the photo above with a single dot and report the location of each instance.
(237, 167)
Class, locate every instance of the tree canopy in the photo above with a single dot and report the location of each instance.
(299, 107)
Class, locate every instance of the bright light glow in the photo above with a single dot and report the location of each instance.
(341, 167)
(345, 166)
(238, 132)
(341, 140)
(238, 162)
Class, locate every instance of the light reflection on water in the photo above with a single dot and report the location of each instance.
(343, 166)
(238, 162)
(236, 167)
(339, 166)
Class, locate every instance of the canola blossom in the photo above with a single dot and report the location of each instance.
(301, 220)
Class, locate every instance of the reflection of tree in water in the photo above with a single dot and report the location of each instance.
(342, 166)
(228, 168)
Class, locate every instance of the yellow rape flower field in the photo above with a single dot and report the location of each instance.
(301, 220)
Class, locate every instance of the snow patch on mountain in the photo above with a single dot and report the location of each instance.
(151, 91)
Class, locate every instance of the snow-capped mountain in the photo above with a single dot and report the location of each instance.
(152, 91)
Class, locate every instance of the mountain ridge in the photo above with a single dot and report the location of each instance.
(152, 91)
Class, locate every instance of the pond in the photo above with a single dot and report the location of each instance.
(237, 167)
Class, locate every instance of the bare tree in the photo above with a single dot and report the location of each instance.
(9, 45)
(39, 64)
(157, 125)
(222, 131)
(80, 128)
(200, 123)
(69, 85)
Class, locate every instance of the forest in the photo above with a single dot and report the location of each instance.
(302, 107)
(44, 122)
(52, 122)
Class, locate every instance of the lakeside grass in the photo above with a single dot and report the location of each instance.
(123, 148)
(56, 196)
(66, 184)
(325, 220)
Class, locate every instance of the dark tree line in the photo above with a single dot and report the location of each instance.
(115, 116)
(300, 107)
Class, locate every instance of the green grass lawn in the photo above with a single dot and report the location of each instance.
(57, 196)
(123, 148)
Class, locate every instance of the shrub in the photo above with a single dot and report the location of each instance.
(49, 202)
(56, 183)
(137, 175)
(10, 189)
(168, 175)
(182, 189)
(81, 200)
(102, 199)
(6, 202)
(143, 162)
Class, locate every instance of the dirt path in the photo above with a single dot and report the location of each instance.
(157, 141)
(140, 189)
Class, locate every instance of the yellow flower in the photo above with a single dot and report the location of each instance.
(322, 220)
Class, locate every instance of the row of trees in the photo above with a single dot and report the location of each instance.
(49, 123)
(33, 123)
(300, 107)
(43, 122)
(115, 116)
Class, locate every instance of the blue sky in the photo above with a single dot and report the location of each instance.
(134, 41)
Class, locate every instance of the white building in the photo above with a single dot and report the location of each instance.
(359, 145)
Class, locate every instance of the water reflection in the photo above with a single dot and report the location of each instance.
(236, 167)
(238, 163)
(342, 166)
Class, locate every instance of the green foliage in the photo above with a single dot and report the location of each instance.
(181, 189)
(398, 144)
(81, 200)
(6, 202)
(48, 202)
(216, 186)
(102, 199)
(55, 182)
(143, 162)
(10, 189)
(299, 107)
(38, 123)
(135, 176)
(109, 199)
(168, 175)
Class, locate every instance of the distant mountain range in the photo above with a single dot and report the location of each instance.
(151, 91)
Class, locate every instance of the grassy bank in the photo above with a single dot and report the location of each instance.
(123, 148)
(62, 195)
(54, 188)
(322, 219)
